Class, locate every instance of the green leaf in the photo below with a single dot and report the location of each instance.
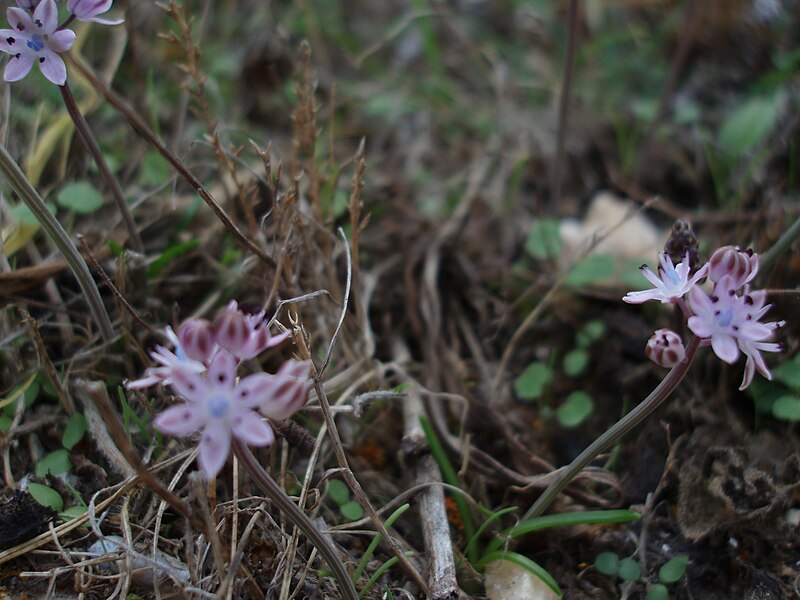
(5, 423)
(748, 125)
(788, 373)
(544, 239)
(46, 496)
(672, 570)
(169, 255)
(80, 197)
(73, 432)
(23, 214)
(575, 362)
(55, 463)
(787, 408)
(658, 592)
(115, 248)
(154, 169)
(607, 563)
(351, 511)
(764, 394)
(338, 491)
(629, 570)
(533, 381)
(631, 274)
(591, 332)
(591, 269)
(73, 512)
(572, 413)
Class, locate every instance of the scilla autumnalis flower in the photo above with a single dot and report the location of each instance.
(671, 282)
(35, 39)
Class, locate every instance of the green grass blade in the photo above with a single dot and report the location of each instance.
(524, 562)
(377, 540)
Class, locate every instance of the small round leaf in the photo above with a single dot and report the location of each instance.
(787, 408)
(544, 239)
(80, 197)
(46, 496)
(629, 569)
(55, 463)
(575, 362)
(533, 381)
(658, 592)
(351, 510)
(73, 432)
(574, 411)
(672, 570)
(338, 491)
(607, 563)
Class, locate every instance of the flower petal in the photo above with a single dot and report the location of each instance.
(180, 420)
(725, 347)
(53, 67)
(215, 445)
(61, 41)
(19, 19)
(189, 385)
(222, 370)
(45, 17)
(18, 67)
(251, 429)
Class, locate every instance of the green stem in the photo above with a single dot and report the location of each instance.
(782, 245)
(617, 431)
(85, 133)
(28, 194)
(297, 517)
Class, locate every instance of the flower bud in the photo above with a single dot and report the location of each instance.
(87, 10)
(197, 339)
(288, 389)
(741, 265)
(665, 348)
(244, 336)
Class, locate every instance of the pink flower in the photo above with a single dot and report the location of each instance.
(672, 284)
(245, 336)
(665, 348)
(221, 406)
(171, 363)
(197, 339)
(288, 389)
(34, 38)
(87, 10)
(742, 266)
(732, 324)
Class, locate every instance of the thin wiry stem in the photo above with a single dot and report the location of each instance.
(296, 516)
(85, 133)
(617, 431)
(28, 194)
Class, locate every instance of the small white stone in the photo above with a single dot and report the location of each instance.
(506, 580)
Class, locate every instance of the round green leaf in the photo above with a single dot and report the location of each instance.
(80, 197)
(607, 563)
(658, 592)
(573, 412)
(787, 408)
(575, 362)
(46, 496)
(591, 269)
(351, 510)
(544, 239)
(629, 569)
(748, 125)
(73, 432)
(788, 373)
(23, 214)
(594, 330)
(338, 491)
(672, 570)
(55, 463)
(533, 381)
(73, 511)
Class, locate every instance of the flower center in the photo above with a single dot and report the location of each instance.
(725, 318)
(35, 43)
(673, 276)
(218, 406)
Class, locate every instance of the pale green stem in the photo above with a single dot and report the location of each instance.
(297, 517)
(28, 194)
(616, 432)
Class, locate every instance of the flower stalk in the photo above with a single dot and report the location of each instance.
(297, 517)
(617, 431)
